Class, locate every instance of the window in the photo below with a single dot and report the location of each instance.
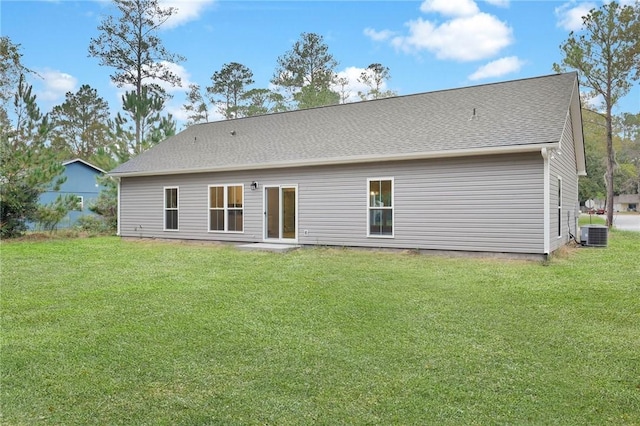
(226, 211)
(559, 207)
(171, 209)
(380, 209)
(79, 203)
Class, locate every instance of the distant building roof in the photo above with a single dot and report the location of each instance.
(86, 163)
(514, 116)
(627, 198)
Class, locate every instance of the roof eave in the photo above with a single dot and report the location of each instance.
(512, 149)
(86, 163)
(578, 130)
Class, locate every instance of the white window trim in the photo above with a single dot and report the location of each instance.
(225, 209)
(165, 209)
(80, 203)
(392, 208)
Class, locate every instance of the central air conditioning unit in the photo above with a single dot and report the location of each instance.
(594, 235)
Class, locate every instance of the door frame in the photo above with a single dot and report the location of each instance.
(265, 220)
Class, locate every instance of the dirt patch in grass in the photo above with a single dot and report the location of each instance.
(56, 235)
(567, 251)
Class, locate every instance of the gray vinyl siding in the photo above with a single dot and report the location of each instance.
(487, 204)
(564, 166)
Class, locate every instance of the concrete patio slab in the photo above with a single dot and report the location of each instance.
(272, 247)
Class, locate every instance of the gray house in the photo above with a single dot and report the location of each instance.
(490, 168)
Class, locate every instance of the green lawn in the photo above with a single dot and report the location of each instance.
(104, 331)
(593, 219)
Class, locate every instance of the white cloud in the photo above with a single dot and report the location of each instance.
(593, 101)
(450, 7)
(378, 35)
(499, 3)
(176, 110)
(186, 10)
(55, 85)
(181, 72)
(463, 39)
(466, 34)
(351, 74)
(497, 68)
(570, 14)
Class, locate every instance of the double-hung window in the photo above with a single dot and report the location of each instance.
(226, 208)
(170, 208)
(380, 207)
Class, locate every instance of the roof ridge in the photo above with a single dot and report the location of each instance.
(394, 97)
(515, 113)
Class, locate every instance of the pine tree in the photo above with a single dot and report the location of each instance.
(28, 167)
(79, 125)
(375, 78)
(230, 83)
(130, 44)
(196, 106)
(307, 72)
(606, 54)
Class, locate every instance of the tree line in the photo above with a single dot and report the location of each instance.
(34, 143)
(606, 54)
(306, 77)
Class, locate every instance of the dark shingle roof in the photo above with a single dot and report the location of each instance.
(515, 113)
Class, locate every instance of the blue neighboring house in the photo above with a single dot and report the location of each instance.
(81, 181)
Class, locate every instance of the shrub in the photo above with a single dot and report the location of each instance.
(49, 215)
(95, 225)
(106, 206)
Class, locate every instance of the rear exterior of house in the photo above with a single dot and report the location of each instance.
(467, 170)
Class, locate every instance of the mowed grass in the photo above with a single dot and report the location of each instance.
(593, 219)
(105, 331)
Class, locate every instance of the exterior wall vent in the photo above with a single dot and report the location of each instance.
(594, 235)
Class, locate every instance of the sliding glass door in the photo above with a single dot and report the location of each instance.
(280, 206)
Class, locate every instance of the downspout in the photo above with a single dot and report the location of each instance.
(546, 190)
(118, 219)
(576, 212)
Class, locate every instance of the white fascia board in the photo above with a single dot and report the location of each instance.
(86, 163)
(512, 149)
(578, 130)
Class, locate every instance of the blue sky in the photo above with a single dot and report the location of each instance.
(427, 45)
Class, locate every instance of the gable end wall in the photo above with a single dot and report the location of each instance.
(563, 165)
